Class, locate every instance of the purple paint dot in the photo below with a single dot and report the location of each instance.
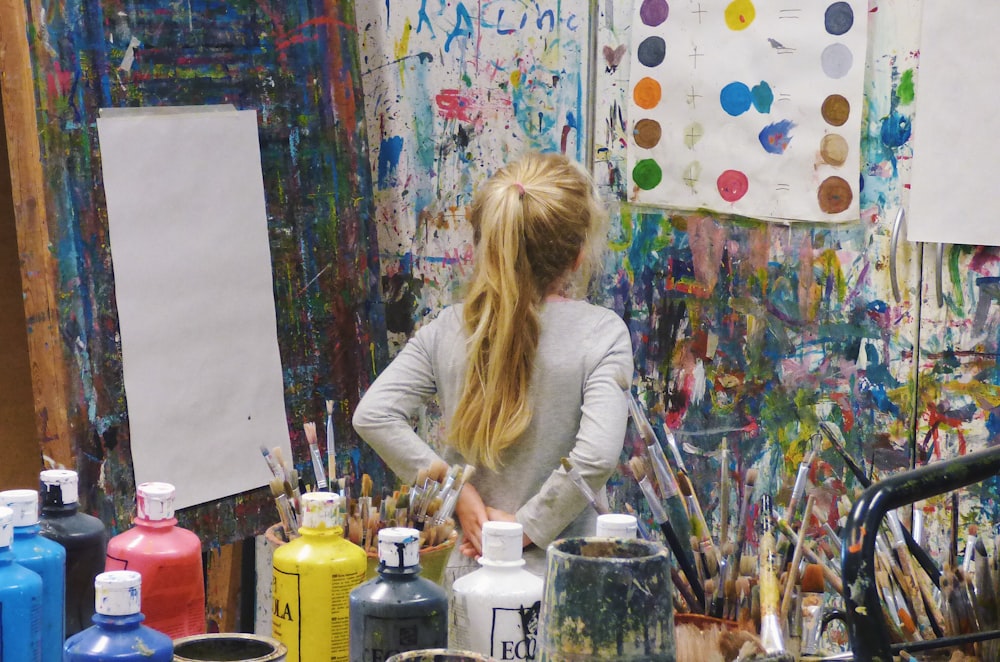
(653, 12)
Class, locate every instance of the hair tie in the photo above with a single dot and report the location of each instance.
(520, 189)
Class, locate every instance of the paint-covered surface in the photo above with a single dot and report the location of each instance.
(741, 329)
(296, 64)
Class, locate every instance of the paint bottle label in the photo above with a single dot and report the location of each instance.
(503, 630)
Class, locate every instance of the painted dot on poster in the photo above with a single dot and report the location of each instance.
(774, 138)
(740, 14)
(647, 133)
(763, 97)
(839, 18)
(833, 149)
(692, 173)
(652, 51)
(735, 98)
(647, 93)
(836, 60)
(835, 110)
(647, 174)
(834, 195)
(693, 132)
(653, 12)
(732, 185)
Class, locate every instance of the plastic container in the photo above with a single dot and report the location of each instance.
(84, 538)
(45, 557)
(313, 579)
(615, 525)
(169, 559)
(118, 633)
(494, 610)
(20, 601)
(398, 611)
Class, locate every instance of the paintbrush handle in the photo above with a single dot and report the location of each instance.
(687, 565)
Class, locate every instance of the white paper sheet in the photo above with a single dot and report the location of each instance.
(736, 91)
(954, 196)
(195, 302)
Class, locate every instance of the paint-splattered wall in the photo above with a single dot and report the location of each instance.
(752, 331)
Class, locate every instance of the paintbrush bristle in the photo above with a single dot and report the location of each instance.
(329, 407)
(366, 485)
(639, 467)
(310, 429)
(566, 465)
(438, 471)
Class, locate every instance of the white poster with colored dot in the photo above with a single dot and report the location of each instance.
(748, 108)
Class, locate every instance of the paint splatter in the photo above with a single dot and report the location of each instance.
(835, 110)
(654, 12)
(904, 91)
(740, 14)
(651, 51)
(647, 133)
(895, 129)
(647, 93)
(839, 18)
(762, 97)
(388, 159)
(836, 60)
(834, 195)
(732, 185)
(647, 174)
(735, 98)
(774, 138)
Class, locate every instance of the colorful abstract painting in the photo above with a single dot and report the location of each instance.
(747, 108)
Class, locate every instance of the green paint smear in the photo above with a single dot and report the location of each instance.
(905, 89)
(647, 174)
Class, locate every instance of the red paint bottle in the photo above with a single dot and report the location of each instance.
(169, 559)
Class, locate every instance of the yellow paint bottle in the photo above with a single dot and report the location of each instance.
(313, 579)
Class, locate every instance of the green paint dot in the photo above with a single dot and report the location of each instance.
(905, 89)
(647, 174)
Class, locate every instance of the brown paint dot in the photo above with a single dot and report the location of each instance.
(647, 133)
(833, 149)
(834, 195)
(835, 109)
(647, 93)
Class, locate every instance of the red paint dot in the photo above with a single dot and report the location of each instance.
(732, 185)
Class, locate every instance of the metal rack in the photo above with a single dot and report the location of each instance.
(867, 628)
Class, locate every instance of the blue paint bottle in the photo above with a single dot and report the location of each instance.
(45, 557)
(20, 601)
(84, 538)
(398, 611)
(118, 633)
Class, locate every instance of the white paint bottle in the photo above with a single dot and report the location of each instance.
(494, 610)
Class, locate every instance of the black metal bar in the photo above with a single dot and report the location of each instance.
(866, 625)
(945, 642)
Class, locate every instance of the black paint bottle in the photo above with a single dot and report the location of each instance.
(397, 611)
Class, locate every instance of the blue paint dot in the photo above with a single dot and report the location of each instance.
(895, 129)
(774, 138)
(762, 97)
(839, 18)
(735, 98)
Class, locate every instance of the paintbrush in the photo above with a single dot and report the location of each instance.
(929, 623)
(793, 570)
(799, 487)
(581, 484)
(699, 526)
(829, 574)
(686, 563)
(770, 624)
(969, 560)
(641, 529)
(317, 460)
(724, 486)
(331, 451)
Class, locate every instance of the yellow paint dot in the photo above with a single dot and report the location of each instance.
(740, 14)
(515, 78)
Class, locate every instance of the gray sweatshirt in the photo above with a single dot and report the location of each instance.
(579, 412)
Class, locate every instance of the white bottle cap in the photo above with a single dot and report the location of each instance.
(320, 510)
(65, 480)
(6, 526)
(24, 503)
(616, 525)
(154, 501)
(118, 593)
(503, 542)
(399, 547)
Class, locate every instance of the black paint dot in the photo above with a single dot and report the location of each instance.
(651, 51)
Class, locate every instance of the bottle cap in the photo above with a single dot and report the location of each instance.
(399, 547)
(321, 510)
(154, 501)
(60, 486)
(6, 526)
(503, 542)
(616, 525)
(24, 503)
(117, 593)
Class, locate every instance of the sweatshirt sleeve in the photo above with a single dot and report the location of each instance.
(383, 417)
(599, 441)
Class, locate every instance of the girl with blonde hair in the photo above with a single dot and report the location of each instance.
(525, 374)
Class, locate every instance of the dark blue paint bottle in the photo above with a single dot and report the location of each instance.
(45, 557)
(20, 601)
(398, 611)
(84, 538)
(118, 633)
